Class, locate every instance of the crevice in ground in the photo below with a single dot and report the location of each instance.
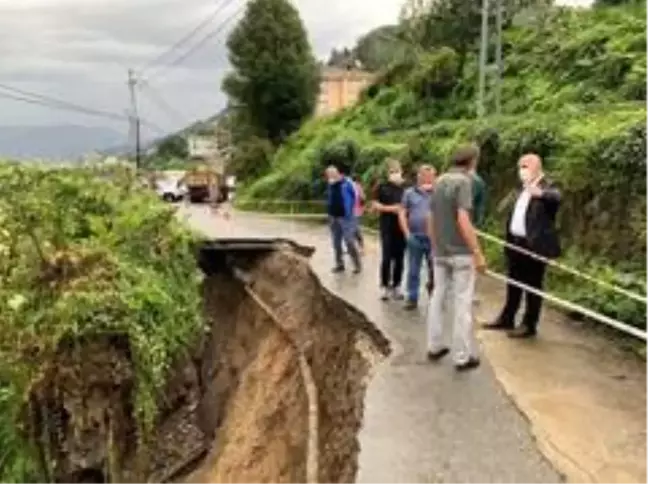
(272, 392)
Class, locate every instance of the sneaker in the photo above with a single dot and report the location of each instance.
(384, 293)
(397, 294)
(434, 356)
(411, 305)
(357, 269)
(471, 364)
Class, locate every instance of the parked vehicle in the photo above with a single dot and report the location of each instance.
(171, 190)
(202, 184)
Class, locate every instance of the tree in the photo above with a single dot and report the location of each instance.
(174, 146)
(275, 80)
(380, 47)
(453, 23)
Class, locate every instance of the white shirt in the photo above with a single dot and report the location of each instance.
(518, 220)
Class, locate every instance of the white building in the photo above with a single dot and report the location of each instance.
(202, 146)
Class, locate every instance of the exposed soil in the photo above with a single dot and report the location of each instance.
(273, 392)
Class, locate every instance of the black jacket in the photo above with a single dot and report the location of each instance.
(542, 236)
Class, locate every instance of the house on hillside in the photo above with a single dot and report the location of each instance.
(340, 88)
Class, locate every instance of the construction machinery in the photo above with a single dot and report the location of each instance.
(202, 183)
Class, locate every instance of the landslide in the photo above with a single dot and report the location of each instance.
(273, 422)
(124, 358)
(238, 407)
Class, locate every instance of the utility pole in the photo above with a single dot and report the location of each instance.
(485, 67)
(134, 116)
(483, 59)
(498, 60)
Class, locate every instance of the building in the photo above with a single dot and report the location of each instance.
(202, 146)
(341, 88)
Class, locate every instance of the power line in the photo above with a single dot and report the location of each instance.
(41, 100)
(55, 102)
(45, 101)
(202, 42)
(186, 38)
(159, 100)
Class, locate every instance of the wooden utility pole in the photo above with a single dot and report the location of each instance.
(134, 116)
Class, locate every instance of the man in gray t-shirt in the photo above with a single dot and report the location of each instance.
(457, 256)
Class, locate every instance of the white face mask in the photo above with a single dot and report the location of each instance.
(427, 187)
(525, 175)
(396, 177)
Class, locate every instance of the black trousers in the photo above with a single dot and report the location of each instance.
(393, 257)
(531, 272)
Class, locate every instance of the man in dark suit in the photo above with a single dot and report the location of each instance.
(530, 226)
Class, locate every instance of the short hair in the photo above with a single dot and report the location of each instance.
(426, 167)
(465, 155)
(393, 164)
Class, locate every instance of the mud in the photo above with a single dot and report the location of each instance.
(272, 393)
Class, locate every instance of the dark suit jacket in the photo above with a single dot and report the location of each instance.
(542, 235)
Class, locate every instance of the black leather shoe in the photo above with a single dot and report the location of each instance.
(337, 269)
(522, 332)
(410, 305)
(437, 355)
(471, 364)
(498, 326)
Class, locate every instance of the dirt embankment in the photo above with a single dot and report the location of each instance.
(273, 393)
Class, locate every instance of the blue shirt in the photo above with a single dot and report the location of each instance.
(417, 207)
(348, 196)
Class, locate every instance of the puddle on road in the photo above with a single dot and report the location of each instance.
(240, 408)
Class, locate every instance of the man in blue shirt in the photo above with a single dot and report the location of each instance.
(341, 195)
(413, 221)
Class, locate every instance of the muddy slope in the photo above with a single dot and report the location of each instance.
(251, 372)
(272, 393)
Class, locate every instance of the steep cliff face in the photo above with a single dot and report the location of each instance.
(272, 393)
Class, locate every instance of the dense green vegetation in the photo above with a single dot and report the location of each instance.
(274, 81)
(573, 91)
(84, 253)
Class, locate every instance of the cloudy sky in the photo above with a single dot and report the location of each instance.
(80, 50)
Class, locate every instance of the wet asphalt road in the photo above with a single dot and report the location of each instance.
(423, 423)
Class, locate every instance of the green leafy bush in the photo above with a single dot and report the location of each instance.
(86, 253)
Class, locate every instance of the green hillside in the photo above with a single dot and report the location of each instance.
(574, 91)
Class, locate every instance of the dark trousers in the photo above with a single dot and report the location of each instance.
(529, 271)
(393, 255)
(358, 236)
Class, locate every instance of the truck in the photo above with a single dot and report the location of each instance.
(202, 184)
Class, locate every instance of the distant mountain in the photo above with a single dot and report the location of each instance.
(56, 142)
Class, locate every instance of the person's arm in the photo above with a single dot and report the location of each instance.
(549, 195)
(479, 208)
(466, 229)
(380, 205)
(402, 215)
(430, 229)
(349, 198)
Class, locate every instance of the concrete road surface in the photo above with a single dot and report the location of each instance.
(423, 423)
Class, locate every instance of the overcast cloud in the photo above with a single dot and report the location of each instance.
(79, 50)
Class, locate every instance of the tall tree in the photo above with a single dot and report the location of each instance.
(174, 146)
(453, 23)
(275, 80)
(380, 47)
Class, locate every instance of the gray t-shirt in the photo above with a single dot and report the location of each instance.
(417, 206)
(453, 191)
